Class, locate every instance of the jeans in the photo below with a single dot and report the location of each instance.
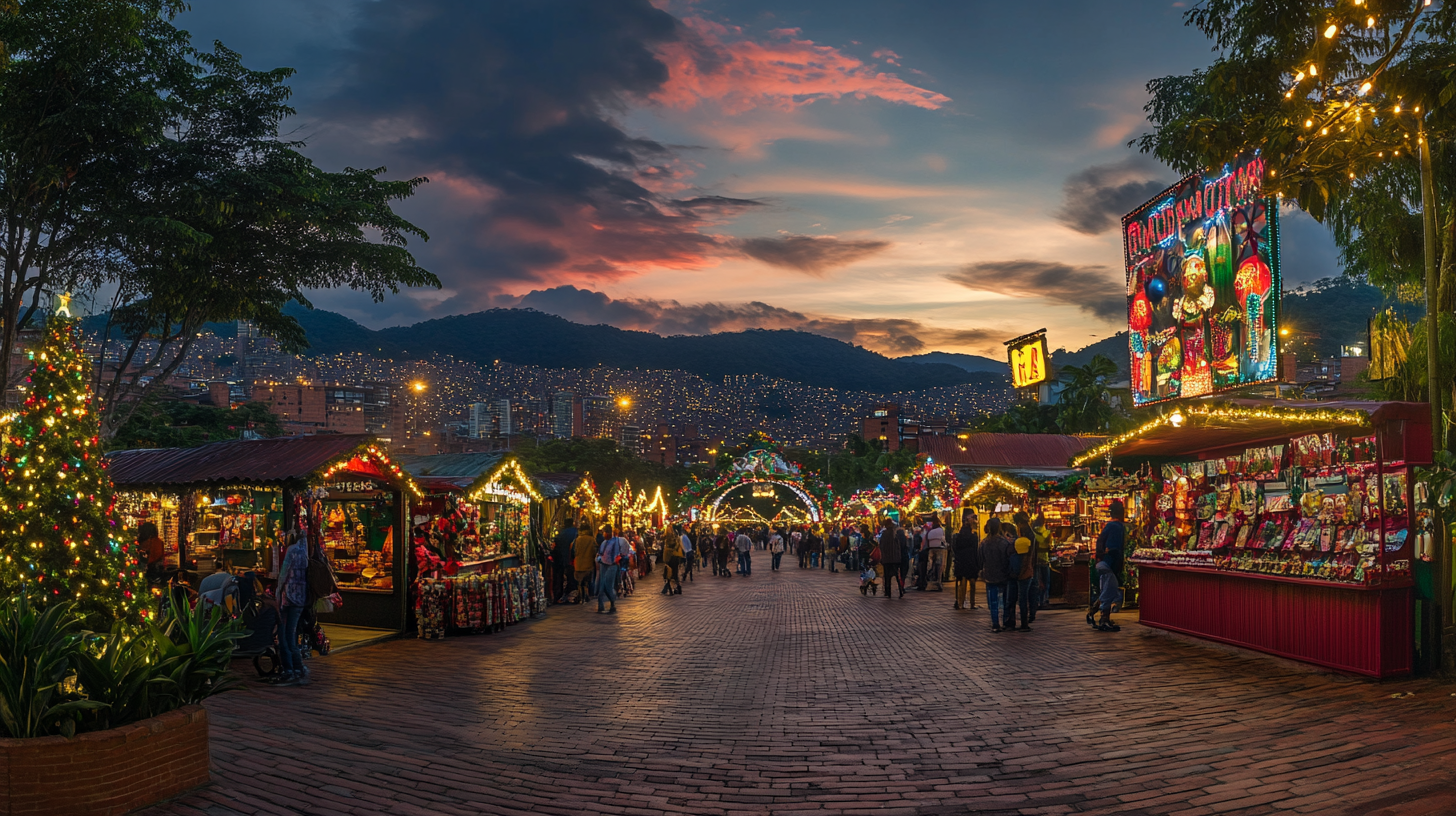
(688, 564)
(777, 557)
(607, 586)
(745, 563)
(1018, 596)
(937, 566)
(833, 561)
(813, 560)
(290, 657)
(1110, 591)
(995, 601)
(1044, 584)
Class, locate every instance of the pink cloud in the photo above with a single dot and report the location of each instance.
(717, 63)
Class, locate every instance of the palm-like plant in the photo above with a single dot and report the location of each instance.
(37, 692)
(1086, 403)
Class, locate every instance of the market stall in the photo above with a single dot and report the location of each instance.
(1282, 527)
(474, 542)
(227, 505)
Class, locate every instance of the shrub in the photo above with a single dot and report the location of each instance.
(57, 679)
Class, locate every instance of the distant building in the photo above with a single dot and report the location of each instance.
(565, 411)
(890, 428)
(630, 439)
(671, 447)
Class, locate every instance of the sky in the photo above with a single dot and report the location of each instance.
(907, 176)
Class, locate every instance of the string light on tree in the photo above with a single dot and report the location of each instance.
(57, 523)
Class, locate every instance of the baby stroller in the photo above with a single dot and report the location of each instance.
(867, 581)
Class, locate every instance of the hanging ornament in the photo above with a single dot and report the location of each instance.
(1156, 289)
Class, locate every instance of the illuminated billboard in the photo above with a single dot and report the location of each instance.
(1202, 262)
(1028, 358)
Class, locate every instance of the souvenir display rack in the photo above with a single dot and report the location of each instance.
(478, 603)
(1282, 528)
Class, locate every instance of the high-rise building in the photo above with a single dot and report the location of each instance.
(599, 417)
(630, 439)
(890, 428)
(502, 415)
(479, 422)
(565, 413)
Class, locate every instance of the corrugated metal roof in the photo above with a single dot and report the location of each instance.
(1005, 451)
(451, 466)
(557, 485)
(254, 461)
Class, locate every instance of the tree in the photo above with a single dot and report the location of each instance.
(56, 524)
(234, 223)
(1086, 402)
(1338, 106)
(181, 424)
(604, 459)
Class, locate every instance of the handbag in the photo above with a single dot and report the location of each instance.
(321, 580)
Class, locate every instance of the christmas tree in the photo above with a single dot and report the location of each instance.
(57, 531)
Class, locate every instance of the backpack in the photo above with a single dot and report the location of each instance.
(321, 580)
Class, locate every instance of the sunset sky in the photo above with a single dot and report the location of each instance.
(908, 176)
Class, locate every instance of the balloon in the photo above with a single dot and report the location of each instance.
(1157, 289)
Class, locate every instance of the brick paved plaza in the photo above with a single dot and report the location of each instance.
(790, 692)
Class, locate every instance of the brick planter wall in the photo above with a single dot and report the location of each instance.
(105, 773)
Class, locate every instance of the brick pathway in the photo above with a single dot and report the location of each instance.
(790, 692)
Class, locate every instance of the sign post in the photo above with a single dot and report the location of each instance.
(1027, 355)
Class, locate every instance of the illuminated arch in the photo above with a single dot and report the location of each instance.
(816, 513)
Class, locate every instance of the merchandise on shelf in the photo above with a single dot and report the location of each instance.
(478, 602)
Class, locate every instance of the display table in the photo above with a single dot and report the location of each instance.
(1346, 627)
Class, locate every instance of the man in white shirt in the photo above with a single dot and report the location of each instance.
(744, 545)
(935, 554)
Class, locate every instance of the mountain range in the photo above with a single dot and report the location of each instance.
(532, 338)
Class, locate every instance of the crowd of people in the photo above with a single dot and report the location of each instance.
(1012, 557)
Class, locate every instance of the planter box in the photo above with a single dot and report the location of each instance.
(105, 773)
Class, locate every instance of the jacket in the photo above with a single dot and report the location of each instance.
(1023, 558)
(996, 554)
(585, 557)
(1043, 546)
(892, 545)
(1109, 545)
(966, 551)
(672, 549)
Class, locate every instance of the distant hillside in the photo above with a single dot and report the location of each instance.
(967, 362)
(1114, 347)
(528, 337)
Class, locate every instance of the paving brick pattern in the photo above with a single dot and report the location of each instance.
(789, 692)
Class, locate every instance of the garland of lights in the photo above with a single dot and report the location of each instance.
(584, 496)
(494, 484)
(934, 485)
(700, 492)
(369, 452)
(57, 502)
(989, 481)
(1179, 416)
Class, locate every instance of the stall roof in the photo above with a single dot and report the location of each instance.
(557, 485)
(255, 461)
(1007, 451)
(450, 470)
(1199, 427)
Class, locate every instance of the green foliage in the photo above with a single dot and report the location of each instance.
(57, 679)
(36, 653)
(862, 464)
(1440, 479)
(56, 524)
(607, 463)
(1087, 404)
(179, 424)
(1023, 417)
(1412, 374)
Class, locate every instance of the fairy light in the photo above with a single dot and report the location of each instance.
(1224, 412)
(990, 480)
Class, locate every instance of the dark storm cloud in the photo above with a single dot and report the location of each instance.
(1095, 200)
(1090, 288)
(813, 255)
(510, 108)
(891, 336)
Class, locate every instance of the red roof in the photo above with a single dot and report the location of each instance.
(1007, 450)
(256, 461)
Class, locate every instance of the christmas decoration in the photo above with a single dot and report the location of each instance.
(58, 534)
(932, 488)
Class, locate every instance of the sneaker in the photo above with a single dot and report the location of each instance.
(293, 680)
(996, 630)
(1108, 627)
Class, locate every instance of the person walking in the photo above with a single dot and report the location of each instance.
(966, 554)
(800, 549)
(866, 545)
(1043, 542)
(724, 546)
(894, 547)
(293, 600)
(833, 547)
(1108, 557)
(996, 552)
(1019, 587)
(672, 559)
(689, 557)
(584, 562)
(935, 555)
(744, 545)
(776, 547)
(612, 554)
